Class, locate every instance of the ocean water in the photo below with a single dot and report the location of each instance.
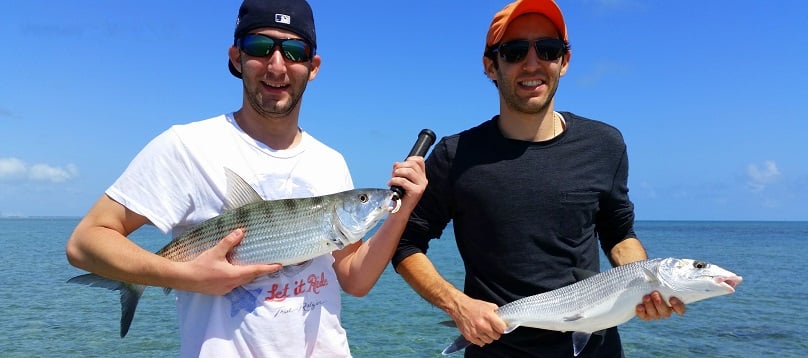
(41, 315)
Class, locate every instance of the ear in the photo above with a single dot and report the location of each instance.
(565, 62)
(490, 69)
(315, 67)
(235, 57)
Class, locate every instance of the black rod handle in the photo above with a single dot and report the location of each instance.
(425, 140)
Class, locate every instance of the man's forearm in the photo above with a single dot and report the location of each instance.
(423, 277)
(627, 251)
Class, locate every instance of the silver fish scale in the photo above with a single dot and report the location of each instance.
(278, 231)
(587, 293)
(305, 232)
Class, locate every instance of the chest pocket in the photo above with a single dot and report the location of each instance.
(578, 210)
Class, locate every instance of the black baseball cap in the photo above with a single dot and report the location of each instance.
(292, 15)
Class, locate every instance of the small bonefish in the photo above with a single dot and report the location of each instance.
(287, 231)
(609, 298)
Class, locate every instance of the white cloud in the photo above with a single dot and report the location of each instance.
(13, 168)
(758, 178)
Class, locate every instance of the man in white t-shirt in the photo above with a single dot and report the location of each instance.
(178, 180)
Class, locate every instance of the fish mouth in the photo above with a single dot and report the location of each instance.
(729, 282)
(393, 208)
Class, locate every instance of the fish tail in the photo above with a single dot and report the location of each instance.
(448, 323)
(130, 295)
(459, 344)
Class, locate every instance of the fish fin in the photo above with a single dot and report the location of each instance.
(94, 280)
(239, 192)
(579, 341)
(581, 274)
(130, 295)
(601, 333)
(460, 343)
(510, 328)
(574, 317)
(650, 276)
(449, 323)
(129, 299)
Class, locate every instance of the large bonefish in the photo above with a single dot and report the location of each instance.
(609, 298)
(286, 231)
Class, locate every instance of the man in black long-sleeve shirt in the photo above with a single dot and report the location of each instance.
(532, 194)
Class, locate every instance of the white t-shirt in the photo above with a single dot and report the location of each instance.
(178, 180)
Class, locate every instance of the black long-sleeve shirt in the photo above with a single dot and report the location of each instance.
(525, 213)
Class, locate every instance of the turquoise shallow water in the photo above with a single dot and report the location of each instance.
(41, 315)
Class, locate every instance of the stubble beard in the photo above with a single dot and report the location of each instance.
(532, 105)
(274, 108)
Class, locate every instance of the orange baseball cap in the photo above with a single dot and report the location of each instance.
(520, 7)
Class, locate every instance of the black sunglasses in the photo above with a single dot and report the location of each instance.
(549, 49)
(259, 45)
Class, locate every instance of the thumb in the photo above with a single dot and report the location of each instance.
(229, 242)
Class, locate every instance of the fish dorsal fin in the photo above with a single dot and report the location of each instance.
(579, 341)
(239, 192)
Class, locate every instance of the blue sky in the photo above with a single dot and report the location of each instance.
(710, 95)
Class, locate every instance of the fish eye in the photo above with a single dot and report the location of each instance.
(363, 198)
(700, 264)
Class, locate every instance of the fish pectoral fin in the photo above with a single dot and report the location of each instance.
(572, 318)
(239, 192)
(650, 277)
(579, 341)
